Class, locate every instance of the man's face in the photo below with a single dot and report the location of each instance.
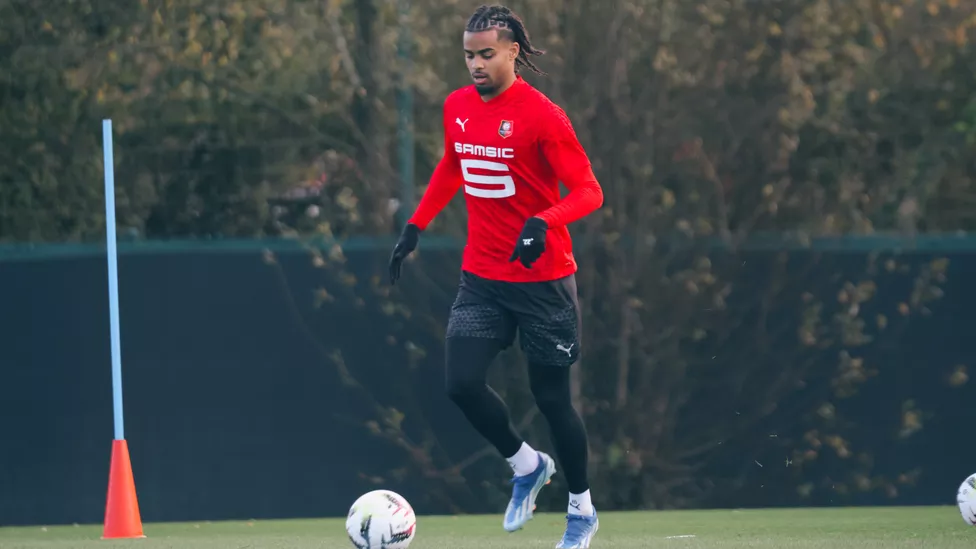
(490, 59)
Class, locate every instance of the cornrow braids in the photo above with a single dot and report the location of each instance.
(509, 25)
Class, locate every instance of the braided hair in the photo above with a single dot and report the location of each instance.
(509, 26)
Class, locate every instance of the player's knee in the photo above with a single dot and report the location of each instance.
(468, 359)
(461, 390)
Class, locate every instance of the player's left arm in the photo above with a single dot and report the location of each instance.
(572, 166)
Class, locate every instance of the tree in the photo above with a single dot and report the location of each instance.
(731, 138)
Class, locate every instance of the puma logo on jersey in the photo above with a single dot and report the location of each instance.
(565, 349)
(459, 123)
(484, 151)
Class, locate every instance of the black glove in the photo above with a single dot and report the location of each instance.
(406, 244)
(531, 243)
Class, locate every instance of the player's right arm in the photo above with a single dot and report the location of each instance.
(444, 184)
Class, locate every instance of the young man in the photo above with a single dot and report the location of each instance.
(509, 146)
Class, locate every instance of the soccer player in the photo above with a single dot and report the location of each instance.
(509, 146)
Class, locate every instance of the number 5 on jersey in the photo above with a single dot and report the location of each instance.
(502, 186)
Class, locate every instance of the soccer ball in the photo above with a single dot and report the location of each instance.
(966, 498)
(381, 519)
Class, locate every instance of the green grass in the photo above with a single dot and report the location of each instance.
(851, 528)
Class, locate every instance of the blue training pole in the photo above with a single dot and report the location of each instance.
(113, 278)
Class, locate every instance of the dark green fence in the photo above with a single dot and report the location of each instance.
(283, 383)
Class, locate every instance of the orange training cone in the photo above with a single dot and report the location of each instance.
(122, 518)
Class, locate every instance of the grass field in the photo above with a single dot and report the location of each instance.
(855, 528)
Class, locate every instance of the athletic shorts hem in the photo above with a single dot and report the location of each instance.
(544, 315)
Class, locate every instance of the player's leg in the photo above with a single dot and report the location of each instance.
(551, 389)
(549, 333)
(478, 329)
(468, 360)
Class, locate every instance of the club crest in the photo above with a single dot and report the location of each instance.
(505, 128)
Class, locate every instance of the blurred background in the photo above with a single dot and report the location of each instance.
(777, 290)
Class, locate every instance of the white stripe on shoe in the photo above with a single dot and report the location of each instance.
(523, 511)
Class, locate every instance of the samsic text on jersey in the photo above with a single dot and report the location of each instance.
(509, 155)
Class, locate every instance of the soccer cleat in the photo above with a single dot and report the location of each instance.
(580, 530)
(526, 488)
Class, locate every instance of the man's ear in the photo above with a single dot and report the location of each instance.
(514, 50)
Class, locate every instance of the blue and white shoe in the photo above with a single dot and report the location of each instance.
(580, 530)
(526, 488)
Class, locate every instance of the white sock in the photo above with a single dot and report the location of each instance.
(580, 504)
(524, 461)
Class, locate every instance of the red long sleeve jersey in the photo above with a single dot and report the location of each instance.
(509, 154)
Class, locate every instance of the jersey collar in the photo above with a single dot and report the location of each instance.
(508, 94)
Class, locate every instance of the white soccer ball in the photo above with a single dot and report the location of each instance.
(966, 498)
(381, 519)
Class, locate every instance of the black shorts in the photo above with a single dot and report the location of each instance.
(545, 314)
